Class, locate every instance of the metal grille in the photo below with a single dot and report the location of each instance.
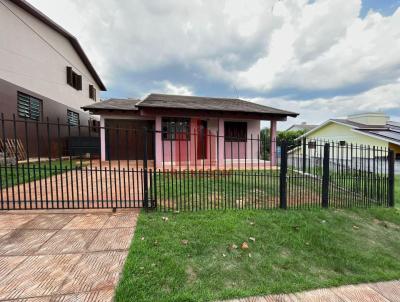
(201, 170)
(73, 118)
(29, 106)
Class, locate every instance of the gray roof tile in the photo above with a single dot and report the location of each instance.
(187, 102)
(208, 103)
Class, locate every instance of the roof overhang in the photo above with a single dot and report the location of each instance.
(377, 136)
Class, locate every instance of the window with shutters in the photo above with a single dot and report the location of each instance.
(74, 79)
(29, 106)
(92, 92)
(73, 118)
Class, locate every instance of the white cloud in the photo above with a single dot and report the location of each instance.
(315, 111)
(267, 47)
(324, 46)
(170, 88)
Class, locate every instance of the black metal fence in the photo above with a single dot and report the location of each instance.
(48, 165)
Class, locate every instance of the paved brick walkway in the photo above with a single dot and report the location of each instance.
(63, 255)
(112, 186)
(371, 292)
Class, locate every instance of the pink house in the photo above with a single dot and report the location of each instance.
(185, 130)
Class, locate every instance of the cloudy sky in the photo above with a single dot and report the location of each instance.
(320, 58)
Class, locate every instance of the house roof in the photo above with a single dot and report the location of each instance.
(74, 41)
(306, 127)
(164, 101)
(209, 103)
(389, 132)
(115, 104)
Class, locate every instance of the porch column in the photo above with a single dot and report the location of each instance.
(158, 142)
(193, 141)
(272, 156)
(102, 139)
(221, 143)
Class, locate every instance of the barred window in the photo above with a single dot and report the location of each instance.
(29, 106)
(73, 118)
(175, 128)
(235, 131)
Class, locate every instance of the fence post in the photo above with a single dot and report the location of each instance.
(145, 174)
(282, 179)
(391, 162)
(325, 177)
(304, 154)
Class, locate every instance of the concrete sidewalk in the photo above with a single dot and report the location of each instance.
(64, 255)
(369, 292)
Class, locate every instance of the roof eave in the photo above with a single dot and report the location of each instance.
(282, 114)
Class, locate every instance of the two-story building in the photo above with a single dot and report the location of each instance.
(44, 71)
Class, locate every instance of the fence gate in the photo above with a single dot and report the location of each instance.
(62, 166)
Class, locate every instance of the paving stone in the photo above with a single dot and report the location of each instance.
(49, 221)
(94, 271)
(319, 295)
(390, 290)
(112, 239)
(37, 276)
(87, 221)
(281, 298)
(361, 293)
(23, 242)
(40, 299)
(95, 296)
(14, 221)
(68, 241)
(122, 220)
(7, 264)
(4, 232)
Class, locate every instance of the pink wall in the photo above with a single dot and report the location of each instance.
(249, 149)
(186, 151)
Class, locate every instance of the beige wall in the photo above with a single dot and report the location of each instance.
(337, 132)
(34, 56)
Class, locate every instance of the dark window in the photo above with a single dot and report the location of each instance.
(342, 143)
(235, 131)
(95, 125)
(29, 106)
(73, 118)
(312, 145)
(175, 128)
(92, 92)
(74, 79)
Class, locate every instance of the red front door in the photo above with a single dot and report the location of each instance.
(201, 139)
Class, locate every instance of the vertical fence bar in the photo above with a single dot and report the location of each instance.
(325, 177)
(145, 179)
(282, 179)
(391, 178)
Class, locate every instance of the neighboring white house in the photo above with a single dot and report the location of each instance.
(42, 67)
(368, 129)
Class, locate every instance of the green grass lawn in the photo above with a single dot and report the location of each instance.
(190, 256)
(397, 190)
(259, 189)
(12, 175)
